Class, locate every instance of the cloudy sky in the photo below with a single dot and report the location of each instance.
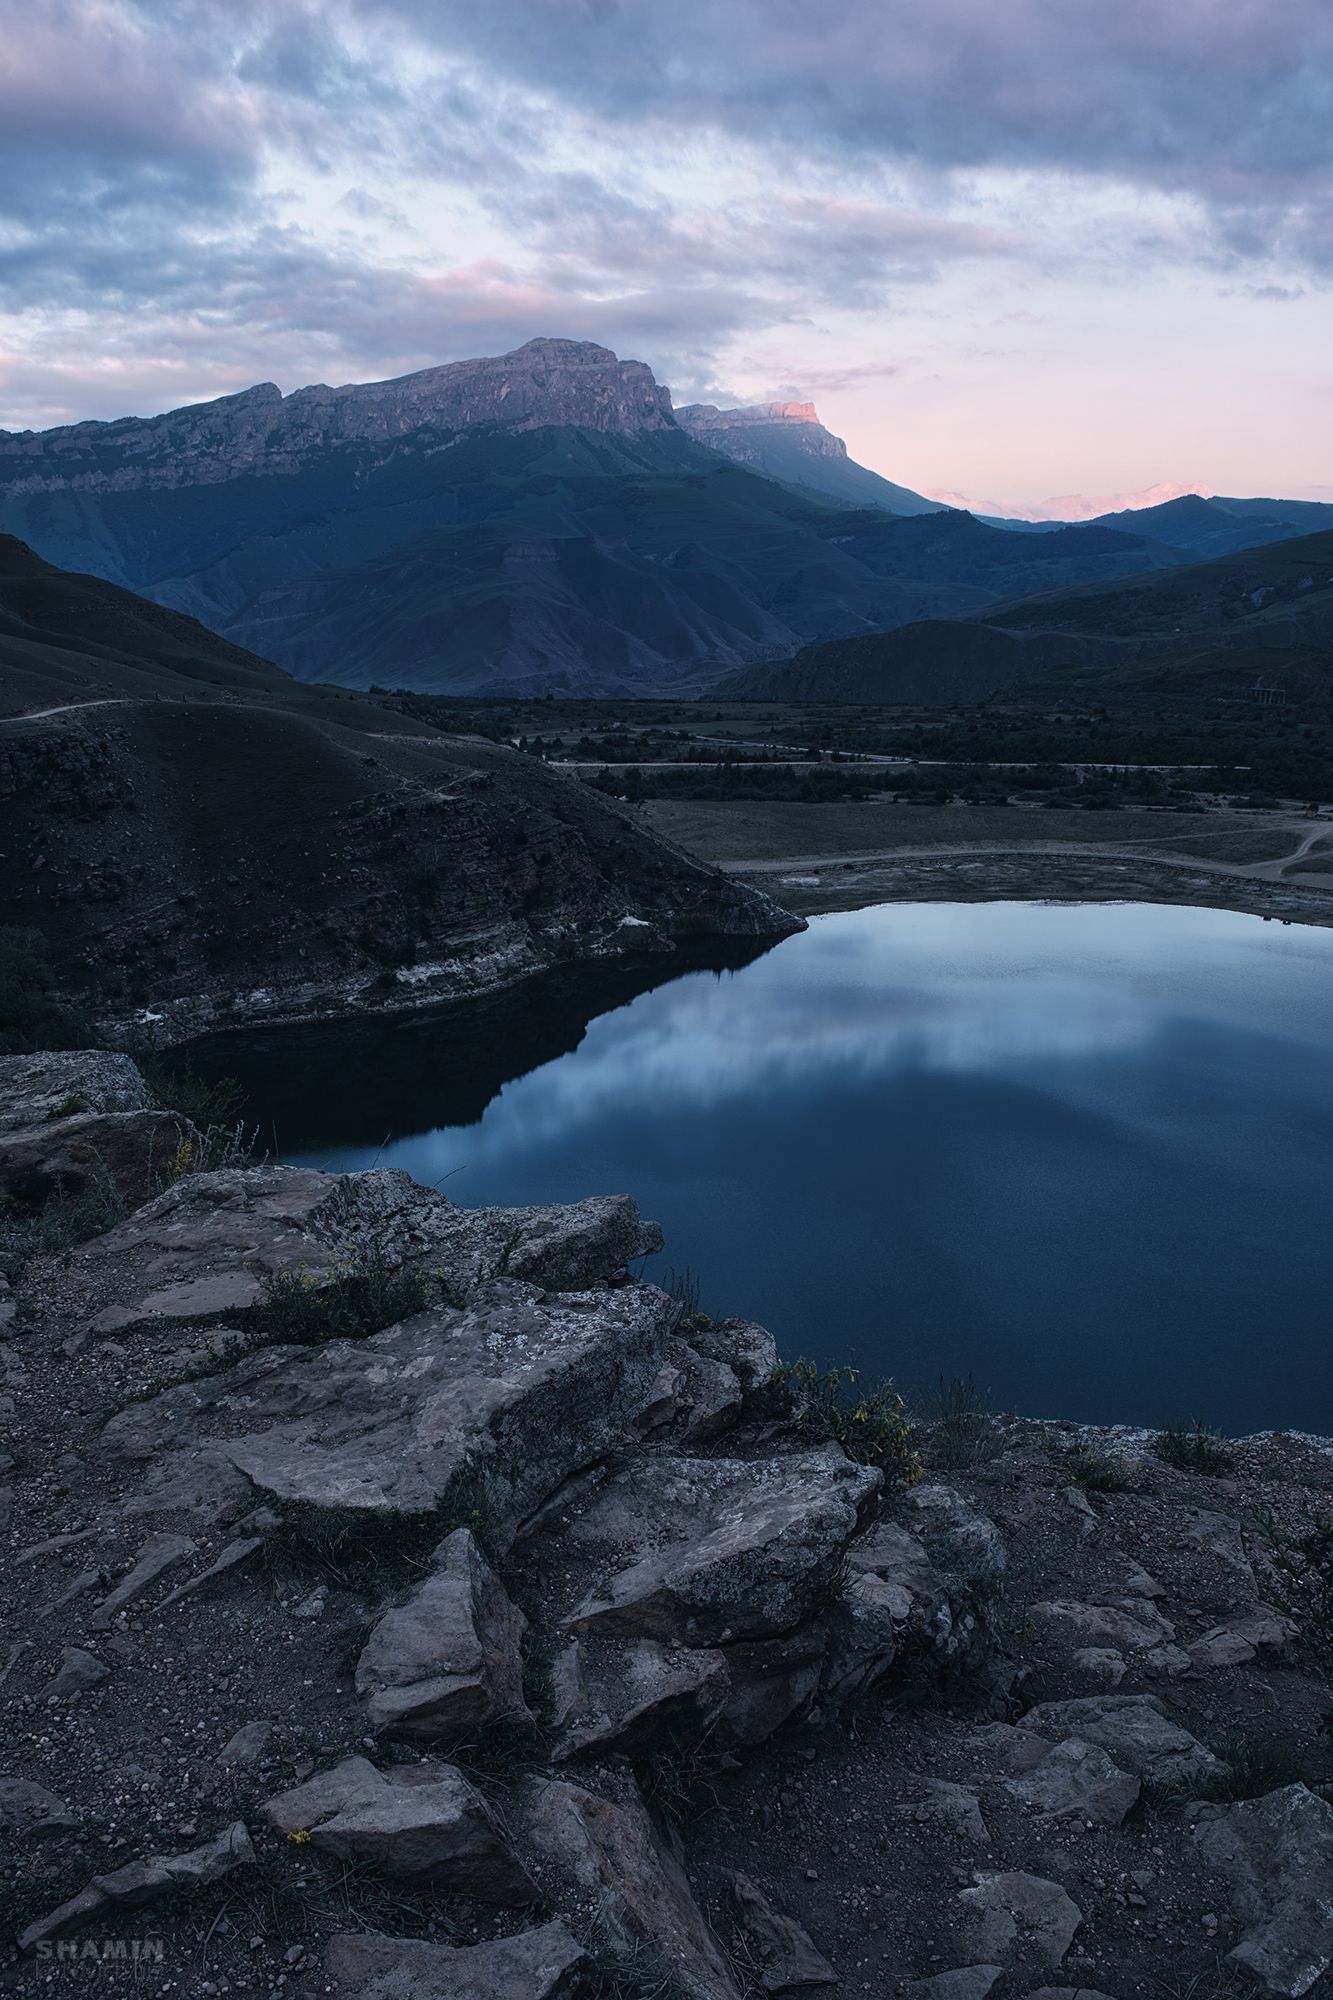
(1012, 248)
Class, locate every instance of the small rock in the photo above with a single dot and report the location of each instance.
(789, 1961)
(1001, 1903)
(247, 1746)
(78, 1671)
(1101, 1663)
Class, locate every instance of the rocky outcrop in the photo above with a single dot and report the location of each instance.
(542, 1600)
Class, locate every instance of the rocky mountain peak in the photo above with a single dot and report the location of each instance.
(566, 382)
(741, 433)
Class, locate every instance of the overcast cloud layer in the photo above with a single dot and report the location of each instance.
(1012, 246)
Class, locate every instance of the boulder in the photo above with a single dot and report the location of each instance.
(1014, 1913)
(772, 1680)
(1278, 1854)
(1077, 1780)
(504, 1399)
(749, 1351)
(448, 1658)
(547, 1963)
(955, 1535)
(1132, 1728)
(788, 1960)
(720, 1549)
(602, 1861)
(143, 1882)
(1241, 1639)
(1101, 1663)
(414, 1823)
(206, 1245)
(126, 1154)
(627, 1695)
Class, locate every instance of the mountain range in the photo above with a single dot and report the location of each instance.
(1252, 625)
(544, 521)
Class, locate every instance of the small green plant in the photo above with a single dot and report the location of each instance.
(1296, 1576)
(830, 1406)
(961, 1430)
(364, 1294)
(1194, 1448)
(64, 1220)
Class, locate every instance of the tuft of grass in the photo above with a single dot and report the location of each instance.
(1296, 1576)
(830, 1406)
(680, 1777)
(1194, 1448)
(365, 1294)
(1095, 1473)
(634, 1974)
(1249, 1770)
(962, 1431)
(64, 1221)
(686, 1288)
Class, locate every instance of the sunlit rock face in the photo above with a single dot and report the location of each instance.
(569, 382)
(739, 433)
(786, 441)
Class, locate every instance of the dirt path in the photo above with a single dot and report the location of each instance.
(68, 708)
(1276, 870)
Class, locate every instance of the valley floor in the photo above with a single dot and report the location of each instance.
(817, 857)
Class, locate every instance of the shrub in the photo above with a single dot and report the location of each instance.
(830, 1406)
(63, 1221)
(1095, 1473)
(1194, 1448)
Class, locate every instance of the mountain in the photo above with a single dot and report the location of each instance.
(786, 441)
(1216, 527)
(200, 841)
(530, 523)
(1253, 624)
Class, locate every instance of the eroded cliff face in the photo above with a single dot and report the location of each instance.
(741, 433)
(568, 382)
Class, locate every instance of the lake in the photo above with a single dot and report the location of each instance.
(1083, 1153)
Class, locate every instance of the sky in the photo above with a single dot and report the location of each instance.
(1011, 248)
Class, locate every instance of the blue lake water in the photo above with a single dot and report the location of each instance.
(1083, 1153)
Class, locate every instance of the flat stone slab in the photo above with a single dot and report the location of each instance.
(139, 1883)
(1016, 1912)
(510, 1395)
(1077, 1780)
(547, 1963)
(706, 1551)
(207, 1243)
(413, 1823)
